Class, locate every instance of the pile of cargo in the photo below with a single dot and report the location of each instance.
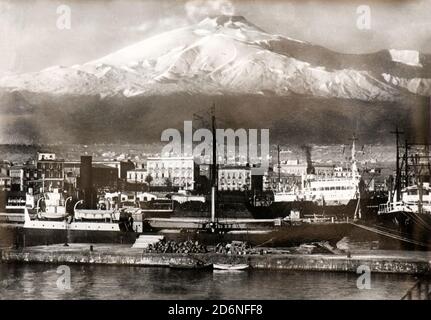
(171, 246)
(234, 248)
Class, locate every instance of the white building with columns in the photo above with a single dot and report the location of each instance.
(180, 172)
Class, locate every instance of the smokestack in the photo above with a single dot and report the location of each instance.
(86, 181)
(310, 168)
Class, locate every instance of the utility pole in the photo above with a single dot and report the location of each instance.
(398, 172)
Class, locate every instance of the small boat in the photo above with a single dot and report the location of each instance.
(221, 266)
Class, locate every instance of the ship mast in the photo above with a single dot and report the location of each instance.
(354, 165)
(355, 177)
(279, 167)
(406, 161)
(213, 169)
(398, 171)
(419, 181)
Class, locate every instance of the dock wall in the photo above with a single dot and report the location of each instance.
(319, 262)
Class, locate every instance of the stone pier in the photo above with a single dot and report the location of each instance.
(418, 263)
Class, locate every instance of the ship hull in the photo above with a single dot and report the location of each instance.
(305, 208)
(408, 225)
(284, 236)
(30, 237)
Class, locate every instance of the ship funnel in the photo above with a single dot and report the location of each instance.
(307, 151)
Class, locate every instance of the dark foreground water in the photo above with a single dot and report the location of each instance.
(39, 281)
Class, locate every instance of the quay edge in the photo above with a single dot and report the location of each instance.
(123, 255)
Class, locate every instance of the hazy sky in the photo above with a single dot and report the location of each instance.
(31, 41)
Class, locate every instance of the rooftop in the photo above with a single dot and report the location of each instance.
(23, 166)
(103, 166)
(169, 158)
(234, 167)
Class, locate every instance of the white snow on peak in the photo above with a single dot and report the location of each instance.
(409, 57)
(222, 54)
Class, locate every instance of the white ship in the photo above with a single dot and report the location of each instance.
(55, 224)
(70, 230)
(334, 192)
(415, 202)
(68, 224)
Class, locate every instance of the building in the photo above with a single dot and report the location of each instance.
(324, 170)
(72, 169)
(292, 167)
(291, 173)
(50, 171)
(341, 172)
(5, 182)
(42, 156)
(94, 178)
(71, 172)
(124, 167)
(105, 177)
(24, 177)
(375, 180)
(234, 178)
(137, 176)
(4, 168)
(111, 199)
(146, 196)
(179, 172)
(272, 181)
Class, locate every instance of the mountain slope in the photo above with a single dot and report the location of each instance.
(229, 55)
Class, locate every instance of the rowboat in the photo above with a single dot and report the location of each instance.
(221, 266)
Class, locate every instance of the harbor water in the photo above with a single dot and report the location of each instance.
(40, 281)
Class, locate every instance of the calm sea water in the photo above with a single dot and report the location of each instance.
(39, 281)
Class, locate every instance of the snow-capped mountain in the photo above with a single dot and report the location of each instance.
(230, 55)
(300, 91)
